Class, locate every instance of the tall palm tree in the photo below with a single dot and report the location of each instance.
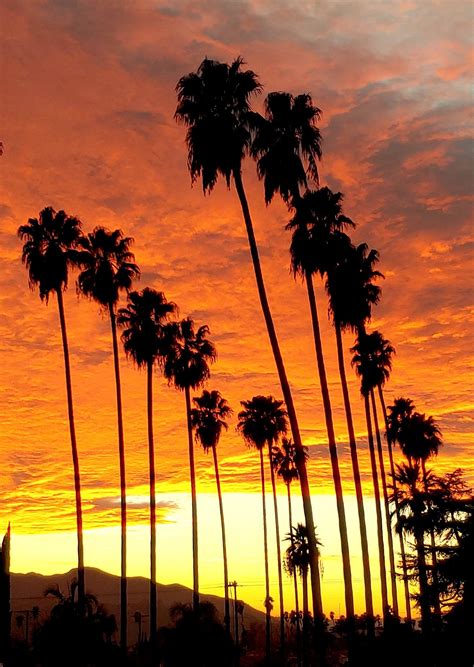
(109, 269)
(214, 104)
(208, 419)
(285, 464)
(187, 367)
(50, 250)
(262, 422)
(146, 338)
(296, 560)
(361, 363)
(379, 352)
(352, 294)
(318, 225)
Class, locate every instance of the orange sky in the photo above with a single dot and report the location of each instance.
(87, 125)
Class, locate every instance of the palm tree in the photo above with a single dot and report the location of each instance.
(296, 560)
(214, 104)
(318, 223)
(51, 248)
(208, 419)
(109, 270)
(361, 363)
(187, 367)
(352, 294)
(262, 421)
(146, 338)
(284, 462)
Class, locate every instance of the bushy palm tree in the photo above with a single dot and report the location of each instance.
(147, 337)
(109, 269)
(187, 367)
(349, 284)
(214, 104)
(262, 422)
(208, 419)
(51, 248)
(318, 225)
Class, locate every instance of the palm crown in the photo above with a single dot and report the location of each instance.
(51, 247)
(147, 331)
(350, 285)
(285, 139)
(397, 418)
(318, 224)
(284, 460)
(297, 554)
(419, 437)
(214, 103)
(109, 265)
(372, 360)
(262, 421)
(187, 362)
(209, 417)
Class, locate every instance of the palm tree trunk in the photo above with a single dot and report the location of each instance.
(285, 387)
(369, 606)
(123, 492)
(375, 481)
(224, 547)
(75, 457)
(295, 581)
(193, 504)
(434, 560)
(265, 553)
(397, 510)
(151, 466)
(278, 546)
(391, 553)
(346, 560)
(304, 575)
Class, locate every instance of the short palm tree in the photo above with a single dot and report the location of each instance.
(147, 336)
(349, 284)
(109, 269)
(262, 421)
(50, 250)
(318, 225)
(285, 464)
(208, 419)
(214, 104)
(296, 560)
(187, 367)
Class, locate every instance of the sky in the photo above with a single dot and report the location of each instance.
(86, 120)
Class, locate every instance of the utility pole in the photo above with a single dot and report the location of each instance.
(234, 584)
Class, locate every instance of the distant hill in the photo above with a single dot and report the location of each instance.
(27, 591)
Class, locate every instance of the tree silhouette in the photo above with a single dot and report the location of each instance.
(109, 269)
(214, 104)
(147, 337)
(50, 250)
(318, 223)
(208, 419)
(262, 421)
(187, 367)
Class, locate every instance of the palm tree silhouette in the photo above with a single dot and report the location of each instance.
(147, 337)
(352, 294)
(208, 419)
(318, 223)
(214, 104)
(361, 362)
(187, 367)
(283, 459)
(51, 248)
(297, 560)
(262, 421)
(109, 269)
(379, 353)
